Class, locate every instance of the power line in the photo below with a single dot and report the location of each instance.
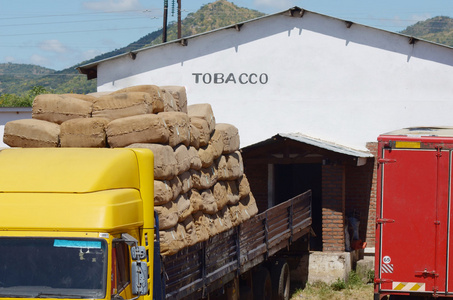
(69, 22)
(78, 31)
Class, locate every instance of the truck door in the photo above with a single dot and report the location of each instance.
(413, 220)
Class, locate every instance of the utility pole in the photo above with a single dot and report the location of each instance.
(164, 32)
(179, 19)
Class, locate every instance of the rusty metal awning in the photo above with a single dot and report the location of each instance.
(331, 146)
(300, 148)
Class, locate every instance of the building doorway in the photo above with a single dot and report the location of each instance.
(291, 180)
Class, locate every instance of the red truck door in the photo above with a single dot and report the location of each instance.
(413, 220)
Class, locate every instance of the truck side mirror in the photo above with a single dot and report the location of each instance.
(138, 252)
(139, 272)
(139, 278)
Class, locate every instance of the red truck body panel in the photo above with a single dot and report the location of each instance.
(414, 218)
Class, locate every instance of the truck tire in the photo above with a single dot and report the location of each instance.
(280, 276)
(262, 285)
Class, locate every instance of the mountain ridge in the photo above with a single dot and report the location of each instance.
(19, 79)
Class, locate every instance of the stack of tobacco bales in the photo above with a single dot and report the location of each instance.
(200, 186)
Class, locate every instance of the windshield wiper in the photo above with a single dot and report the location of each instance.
(57, 295)
(14, 296)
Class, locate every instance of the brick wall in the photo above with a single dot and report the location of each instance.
(359, 190)
(371, 226)
(333, 208)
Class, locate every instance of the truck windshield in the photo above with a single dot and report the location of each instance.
(53, 268)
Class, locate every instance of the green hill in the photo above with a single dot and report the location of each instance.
(23, 81)
(437, 29)
(19, 79)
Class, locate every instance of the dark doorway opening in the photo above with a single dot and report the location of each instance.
(291, 180)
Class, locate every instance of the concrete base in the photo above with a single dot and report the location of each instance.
(364, 266)
(329, 266)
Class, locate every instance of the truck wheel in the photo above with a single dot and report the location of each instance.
(280, 280)
(262, 285)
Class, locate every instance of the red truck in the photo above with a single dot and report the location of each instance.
(414, 253)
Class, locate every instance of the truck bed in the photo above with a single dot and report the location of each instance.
(198, 270)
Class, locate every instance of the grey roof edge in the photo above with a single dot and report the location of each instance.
(328, 145)
(15, 109)
(90, 67)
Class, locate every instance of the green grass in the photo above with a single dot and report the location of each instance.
(353, 288)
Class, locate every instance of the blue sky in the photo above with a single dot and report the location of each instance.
(61, 33)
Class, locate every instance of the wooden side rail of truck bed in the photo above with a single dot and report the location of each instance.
(196, 271)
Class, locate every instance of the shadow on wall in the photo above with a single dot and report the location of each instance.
(294, 27)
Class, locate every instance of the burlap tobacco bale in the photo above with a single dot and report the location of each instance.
(178, 126)
(230, 166)
(235, 214)
(202, 226)
(203, 128)
(164, 160)
(224, 220)
(121, 105)
(172, 240)
(235, 165)
(209, 203)
(191, 231)
(89, 98)
(195, 200)
(202, 111)
(179, 94)
(204, 178)
(244, 186)
(182, 158)
(176, 186)
(98, 94)
(219, 191)
(222, 168)
(248, 207)
(163, 192)
(57, 108)
(84, 132)
(168, 215)
(215, 226)
(170, 103)
(195, 161)
(194, 136)
(206, 155)
(157, 102)
(147, 128)
(232, 192)
(186, 181)
(31, 133)
(230, 137)
(185, 209)
(216, 144)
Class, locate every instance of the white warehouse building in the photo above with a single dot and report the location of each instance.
(309, 94)
(299, 71)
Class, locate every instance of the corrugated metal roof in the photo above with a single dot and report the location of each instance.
(90, 69)
(331, 146)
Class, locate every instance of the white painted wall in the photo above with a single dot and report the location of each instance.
(324, 80)
(2, 145)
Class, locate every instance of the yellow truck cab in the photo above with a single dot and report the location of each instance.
(76, 223)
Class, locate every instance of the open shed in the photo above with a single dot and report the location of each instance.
(340, 178)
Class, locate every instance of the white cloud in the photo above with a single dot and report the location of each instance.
(272, 4)
(39, 60)
(90, 54)
(53, 46)
(112, 5)
(417, 18)
(10, 59)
